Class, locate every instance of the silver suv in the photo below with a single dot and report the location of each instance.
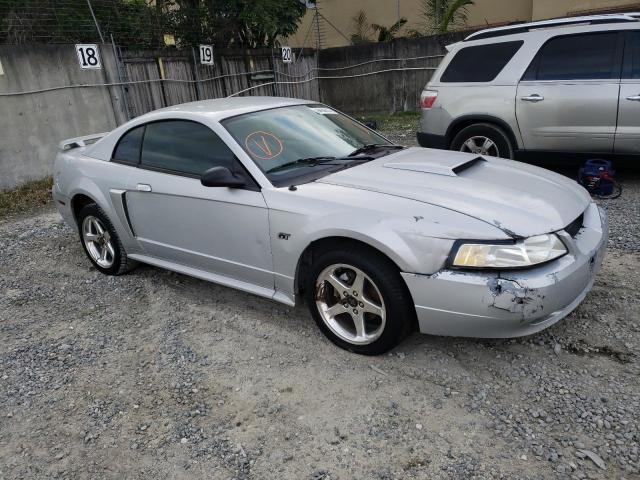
(570, 86)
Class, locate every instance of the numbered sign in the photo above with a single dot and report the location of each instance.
(287, 56)
(88, 56)
(206, 54)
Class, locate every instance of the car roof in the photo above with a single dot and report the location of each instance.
(205, 111)
(554, 23)
(228, 107)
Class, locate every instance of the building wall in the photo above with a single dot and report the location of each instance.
(555, 8)
(340, 13)
(491, 12)
(338, 27)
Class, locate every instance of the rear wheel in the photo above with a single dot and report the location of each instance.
(359, 301)
(101, 242)
(483, 139)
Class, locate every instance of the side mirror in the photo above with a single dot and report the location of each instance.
(221, 177)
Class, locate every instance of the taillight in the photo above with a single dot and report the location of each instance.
(427, 98)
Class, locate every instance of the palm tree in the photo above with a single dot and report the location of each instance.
(386, 34)
(440, 15)
(362, 29)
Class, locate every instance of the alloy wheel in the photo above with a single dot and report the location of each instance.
(480, 145)
(97, 240)
(350, 304)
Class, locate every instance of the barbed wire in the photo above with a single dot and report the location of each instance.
(132, 23)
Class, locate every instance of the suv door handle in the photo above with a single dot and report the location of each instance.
(143, 187)
(533, 98)
(634, 98)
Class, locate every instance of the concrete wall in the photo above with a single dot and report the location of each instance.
(32, 125)
(389, 91)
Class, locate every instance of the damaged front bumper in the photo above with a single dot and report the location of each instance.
(512, 303)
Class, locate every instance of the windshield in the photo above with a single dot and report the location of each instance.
(277, 139)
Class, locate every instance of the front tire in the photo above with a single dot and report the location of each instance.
(101, 243)
(483, 139)
(359, 300)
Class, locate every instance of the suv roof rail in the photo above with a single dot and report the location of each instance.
(557, 22)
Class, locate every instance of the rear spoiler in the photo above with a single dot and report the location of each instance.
(450, 46)
(77, 142)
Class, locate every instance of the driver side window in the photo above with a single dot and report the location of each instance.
(183, 147)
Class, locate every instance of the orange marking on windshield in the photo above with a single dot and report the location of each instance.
(263, 145)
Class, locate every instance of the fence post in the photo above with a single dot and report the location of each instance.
(318, 80)
(160, 66)
(276, 87)
(223, 79)
(121, 78)
(196, 75)
(95, 21)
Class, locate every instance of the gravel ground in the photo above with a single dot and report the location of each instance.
(158, 375)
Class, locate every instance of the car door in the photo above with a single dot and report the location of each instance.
(568, 98)
(628, 131)
(220, 230)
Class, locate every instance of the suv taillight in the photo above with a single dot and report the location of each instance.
(427, 98)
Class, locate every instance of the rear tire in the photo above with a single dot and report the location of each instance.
(483, 139)
(359, 300)
(101, 243)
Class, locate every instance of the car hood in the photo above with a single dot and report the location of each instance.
(521, 200)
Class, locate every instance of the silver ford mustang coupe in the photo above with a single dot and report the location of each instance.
(290, 199)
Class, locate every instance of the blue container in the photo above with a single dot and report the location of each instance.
(597, 176)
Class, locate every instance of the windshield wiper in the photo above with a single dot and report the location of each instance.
(313, 161)
(373, 146)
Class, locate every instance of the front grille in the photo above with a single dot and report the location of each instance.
(574, 227)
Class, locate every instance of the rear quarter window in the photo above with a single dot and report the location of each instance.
(481, 63)
(128, 148)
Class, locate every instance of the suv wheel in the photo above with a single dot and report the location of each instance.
(359, 300)
(101, 242)
(483, 139)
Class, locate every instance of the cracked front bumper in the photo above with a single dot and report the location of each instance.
(513, 303)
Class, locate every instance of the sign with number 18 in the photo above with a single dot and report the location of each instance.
(88, 56)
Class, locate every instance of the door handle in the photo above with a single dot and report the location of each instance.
(533, 98)
(634, 98)
(143, 187)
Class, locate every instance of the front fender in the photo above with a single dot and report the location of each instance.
(404, 240)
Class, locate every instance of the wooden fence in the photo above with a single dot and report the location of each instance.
(375, 77)
(169, 78)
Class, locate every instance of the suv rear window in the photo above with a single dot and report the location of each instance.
(591, 56)
(481, 63)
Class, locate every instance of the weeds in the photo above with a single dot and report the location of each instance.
(393, 121)
(26, 197)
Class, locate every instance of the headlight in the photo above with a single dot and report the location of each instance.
(522, 253)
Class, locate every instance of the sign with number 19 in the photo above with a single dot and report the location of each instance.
(206, 54)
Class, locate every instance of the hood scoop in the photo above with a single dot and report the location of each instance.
(450, 167)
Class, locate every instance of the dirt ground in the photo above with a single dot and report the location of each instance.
(158, 375)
